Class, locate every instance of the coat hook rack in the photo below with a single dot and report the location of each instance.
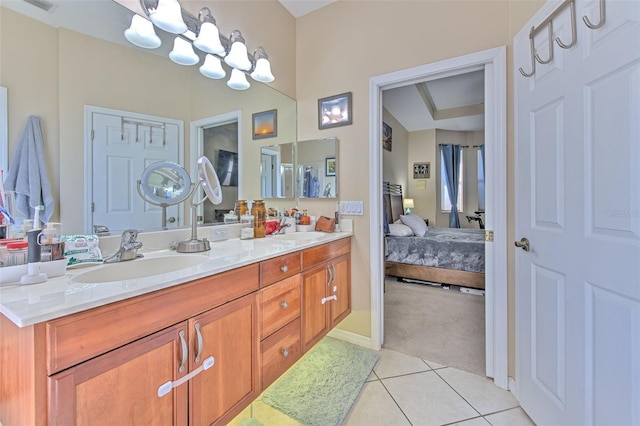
(548, 24)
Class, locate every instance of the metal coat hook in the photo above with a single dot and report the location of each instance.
(574, 37)
(550, 36)
(533, 56)
(588, 23)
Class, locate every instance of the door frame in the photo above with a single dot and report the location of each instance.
(494, 63)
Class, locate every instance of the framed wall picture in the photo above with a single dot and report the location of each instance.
(265, 124)
(330, 166)
(421, 170)
(334, 111)
(386, 136)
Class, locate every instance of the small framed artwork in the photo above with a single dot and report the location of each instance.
(386, 136)
(334, 111)
(421, 170)
(330, 166)
(265, 124)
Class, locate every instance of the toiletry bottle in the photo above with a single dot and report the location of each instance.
(241, 208)
(305, 219)
(259, 213)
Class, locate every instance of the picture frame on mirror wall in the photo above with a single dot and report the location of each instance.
(334, 111)
(330, 166)
(386, 136)
(265, 124)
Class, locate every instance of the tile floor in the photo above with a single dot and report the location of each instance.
(404, 390)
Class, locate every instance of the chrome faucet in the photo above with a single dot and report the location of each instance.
(128, 247)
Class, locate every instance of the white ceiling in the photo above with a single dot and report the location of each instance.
(106, 19)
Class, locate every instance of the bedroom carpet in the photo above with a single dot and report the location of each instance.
(444, 326)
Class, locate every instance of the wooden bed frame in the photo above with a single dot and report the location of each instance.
(392, 196)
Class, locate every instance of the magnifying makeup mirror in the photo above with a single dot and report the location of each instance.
(208, 179)
(164, 184)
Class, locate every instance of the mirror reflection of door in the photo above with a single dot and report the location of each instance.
(269, 161)
(220, 146)
(123, 147)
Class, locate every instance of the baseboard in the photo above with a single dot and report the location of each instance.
(513, 388)
(347, 336)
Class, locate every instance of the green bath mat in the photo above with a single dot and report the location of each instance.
(321, 387)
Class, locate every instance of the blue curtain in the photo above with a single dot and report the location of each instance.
(451, 155)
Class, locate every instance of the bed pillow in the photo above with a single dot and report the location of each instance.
(416, 223)
(399, 230)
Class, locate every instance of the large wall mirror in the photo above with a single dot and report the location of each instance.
(96, 66)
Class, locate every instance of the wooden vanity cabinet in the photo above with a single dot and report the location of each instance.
(326, 289)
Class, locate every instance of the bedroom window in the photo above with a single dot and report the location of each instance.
(444, 191)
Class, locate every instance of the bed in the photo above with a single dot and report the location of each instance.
(442, 255)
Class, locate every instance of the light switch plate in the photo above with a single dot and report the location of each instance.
(219, 233)
(352, 208)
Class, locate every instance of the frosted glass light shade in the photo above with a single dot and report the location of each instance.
(208, 39)
(212, 68)
(142, 34)
(262, 72)
(183, 53)
(238, 80)
(237, 57)
(168, 16)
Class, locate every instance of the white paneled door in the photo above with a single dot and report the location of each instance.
(578, 204)
(122, 149)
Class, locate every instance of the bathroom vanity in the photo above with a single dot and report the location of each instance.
(190, 350)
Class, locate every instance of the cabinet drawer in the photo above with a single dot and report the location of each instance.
(274, 270)
(280, 351)
(319, 254)
(280, 304)
(78, 337)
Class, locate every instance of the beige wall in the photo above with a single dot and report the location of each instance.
(340, 47)
(422, 149)
(394, 162)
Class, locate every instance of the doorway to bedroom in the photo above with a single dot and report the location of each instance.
(438, 318)
(488, 324)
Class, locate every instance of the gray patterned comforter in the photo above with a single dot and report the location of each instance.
(459, 249)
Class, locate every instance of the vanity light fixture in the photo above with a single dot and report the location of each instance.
(202, 33)
(208, 38)
(238, 55)
(167, 15)
(183, 53)
(212, 68)
(238, 80)
(262, 69)
(142, 34)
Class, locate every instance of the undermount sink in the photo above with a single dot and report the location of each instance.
(139, 268)
(299, 236)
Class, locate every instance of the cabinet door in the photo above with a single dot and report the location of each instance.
(121, 386)
(315, 313)
(341, 288)
(229, 334)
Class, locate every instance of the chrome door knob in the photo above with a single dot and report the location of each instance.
(523, 244)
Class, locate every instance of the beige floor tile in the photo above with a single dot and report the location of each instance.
(269, 416)
(244, 414)
(434, 365)
(375, 406)
(478, 421)
(371, 377)
(427, 400)
(394, 363)
(480, 392)
(513, 417)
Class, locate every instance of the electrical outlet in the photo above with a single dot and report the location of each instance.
(219, 233)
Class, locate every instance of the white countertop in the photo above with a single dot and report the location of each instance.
(30, 304)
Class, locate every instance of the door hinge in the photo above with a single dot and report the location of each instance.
(93, 135)
(93, 207)
(488, 236)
